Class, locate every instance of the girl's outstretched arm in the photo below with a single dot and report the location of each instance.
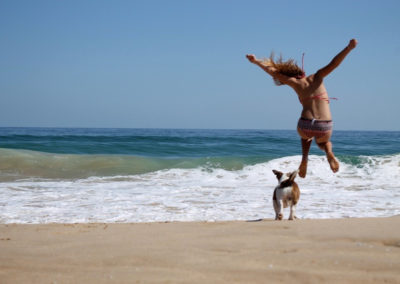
(271, 70)
(336, 60)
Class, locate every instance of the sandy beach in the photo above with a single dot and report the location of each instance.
(363, 250)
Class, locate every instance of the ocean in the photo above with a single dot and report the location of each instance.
(76, 175)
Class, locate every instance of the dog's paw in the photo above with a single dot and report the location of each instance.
(280, 216)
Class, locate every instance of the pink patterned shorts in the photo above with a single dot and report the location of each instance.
(315, 128)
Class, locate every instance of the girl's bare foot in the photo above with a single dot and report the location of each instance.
(303, 169)
(333, 162)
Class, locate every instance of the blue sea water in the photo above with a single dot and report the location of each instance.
(136, 175)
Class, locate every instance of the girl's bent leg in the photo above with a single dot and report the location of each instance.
(333, 162)
(305, 146)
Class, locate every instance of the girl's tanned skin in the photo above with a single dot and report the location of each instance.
(316, 118)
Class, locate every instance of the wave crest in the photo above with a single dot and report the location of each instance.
(21, 164)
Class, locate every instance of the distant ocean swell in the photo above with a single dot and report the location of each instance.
(160, 144)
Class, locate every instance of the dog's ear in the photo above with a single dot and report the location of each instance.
(293, 175)
(278, 174)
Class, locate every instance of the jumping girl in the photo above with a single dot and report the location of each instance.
(316, 119)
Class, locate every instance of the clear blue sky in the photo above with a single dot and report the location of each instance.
(181, 64)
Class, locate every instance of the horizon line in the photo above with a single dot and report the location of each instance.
(184, 128)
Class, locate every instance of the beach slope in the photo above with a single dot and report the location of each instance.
(363, 250)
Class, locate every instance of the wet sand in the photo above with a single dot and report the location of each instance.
(365, 250)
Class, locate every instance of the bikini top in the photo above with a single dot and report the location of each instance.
(302, 69)
(318, 97)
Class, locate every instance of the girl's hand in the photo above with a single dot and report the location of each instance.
(251, 58)
(352, 43)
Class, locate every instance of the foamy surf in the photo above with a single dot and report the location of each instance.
(366, 188)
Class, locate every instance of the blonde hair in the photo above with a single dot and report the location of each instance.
(288, 67)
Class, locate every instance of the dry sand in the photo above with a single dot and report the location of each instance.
(303, 251)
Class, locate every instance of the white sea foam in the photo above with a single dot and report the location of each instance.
(368, 189)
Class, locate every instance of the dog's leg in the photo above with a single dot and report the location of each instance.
(292, 215)
(276, 208)
(279, 213)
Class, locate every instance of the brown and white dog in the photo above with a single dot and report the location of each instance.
(287, 193)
